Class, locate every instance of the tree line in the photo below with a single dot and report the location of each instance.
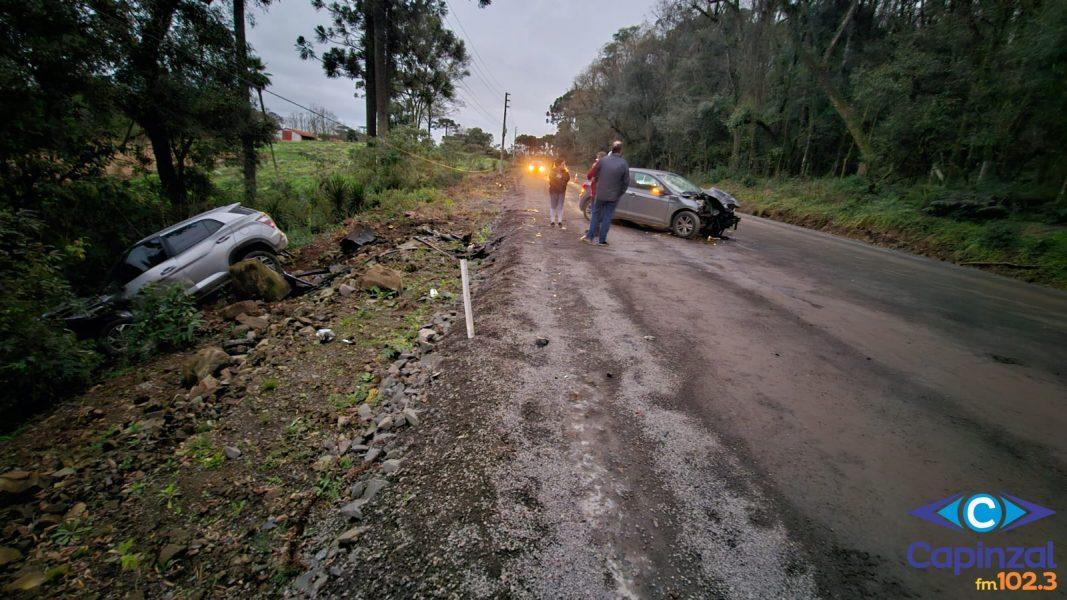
(967, 92)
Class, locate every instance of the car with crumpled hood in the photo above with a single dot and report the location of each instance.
(666, 200)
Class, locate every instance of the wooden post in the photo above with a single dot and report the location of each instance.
(466, 297)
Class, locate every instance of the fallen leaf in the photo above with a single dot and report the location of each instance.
(76, 512)
(27, 582)
(8, 555)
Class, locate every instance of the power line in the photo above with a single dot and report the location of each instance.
(467, 36)
(478, 106)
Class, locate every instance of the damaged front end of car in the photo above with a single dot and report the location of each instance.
(717, 212)
(104, 317)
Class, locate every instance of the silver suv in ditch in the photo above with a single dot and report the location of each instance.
(197, 253)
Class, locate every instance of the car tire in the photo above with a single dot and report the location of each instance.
(268, 258)
(112, 337)
(685, 224)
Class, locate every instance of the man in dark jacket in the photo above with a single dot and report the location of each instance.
(612, 175)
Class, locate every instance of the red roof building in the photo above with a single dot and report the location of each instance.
(294, 135)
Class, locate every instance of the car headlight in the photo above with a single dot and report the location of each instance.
(541, 169)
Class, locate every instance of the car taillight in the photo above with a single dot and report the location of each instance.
(266, 220)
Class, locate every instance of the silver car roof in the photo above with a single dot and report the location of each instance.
(222, 212)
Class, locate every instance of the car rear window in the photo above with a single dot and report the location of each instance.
(190, 235)
(240, 210)
(139, 259)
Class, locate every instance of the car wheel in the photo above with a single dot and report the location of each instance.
(685, 224)
(268, 258)
(113, 337)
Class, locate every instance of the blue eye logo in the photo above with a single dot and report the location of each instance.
(981, 513)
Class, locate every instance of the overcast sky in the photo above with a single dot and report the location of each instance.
(531, 48)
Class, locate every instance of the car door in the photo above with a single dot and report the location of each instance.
(646, 198)
(201, 252)
(625, 207)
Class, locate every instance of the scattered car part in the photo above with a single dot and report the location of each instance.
(359, 236)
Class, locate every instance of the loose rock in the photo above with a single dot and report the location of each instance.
(252, 278)
(383, 278)
(206, 362)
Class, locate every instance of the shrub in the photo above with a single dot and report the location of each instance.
(164, 318)
(345, 194)
(40, 361)
(1001, 235)
(719, 173)
(393, 201)
(283, 203)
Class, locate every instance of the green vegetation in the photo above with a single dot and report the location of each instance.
(1021, 244)
(37, 361)
(164, 318)
(318, 184)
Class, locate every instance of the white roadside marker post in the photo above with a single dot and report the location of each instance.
(467, 298)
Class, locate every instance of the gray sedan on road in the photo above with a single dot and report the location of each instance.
(669, 201)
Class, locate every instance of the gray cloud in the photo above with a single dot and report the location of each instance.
(532, 49)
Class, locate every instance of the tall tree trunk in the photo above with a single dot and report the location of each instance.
(248, 146)
(807, 143)
(163, 153)
(369, 77)
(844, 110)
(735, 149)
(146, 59)
(382, 92)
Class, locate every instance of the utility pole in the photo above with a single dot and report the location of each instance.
(504, 129)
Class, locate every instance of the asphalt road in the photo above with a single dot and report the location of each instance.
(756, 417)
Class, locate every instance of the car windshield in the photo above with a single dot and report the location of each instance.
(137, 260)
(680, 184)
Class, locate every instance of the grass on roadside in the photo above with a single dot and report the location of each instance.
(894, 216)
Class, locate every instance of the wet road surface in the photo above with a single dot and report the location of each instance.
(774, 405)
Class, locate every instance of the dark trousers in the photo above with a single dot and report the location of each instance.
(600, 220)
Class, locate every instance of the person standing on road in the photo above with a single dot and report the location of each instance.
(592, 177)
(557, 191)
(612, 175)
